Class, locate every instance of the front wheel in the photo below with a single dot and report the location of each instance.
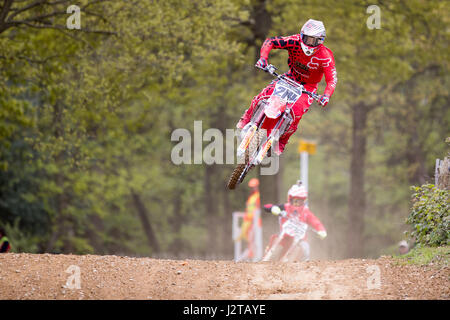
(294, 254)
(274, 254)
(234, 178)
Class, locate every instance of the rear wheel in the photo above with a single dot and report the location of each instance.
(277, 253)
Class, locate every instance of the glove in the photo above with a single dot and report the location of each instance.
(324, 99)
(322, 234)
(261, 63)
(275, 210)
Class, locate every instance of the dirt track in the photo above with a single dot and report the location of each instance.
(33, 276)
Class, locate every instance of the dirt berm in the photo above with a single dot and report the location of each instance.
(47, 276)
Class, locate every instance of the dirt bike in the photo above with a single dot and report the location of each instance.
(271, 118)
(292, 233)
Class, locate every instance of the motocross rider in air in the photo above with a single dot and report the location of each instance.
(295, 206)
(308, 61)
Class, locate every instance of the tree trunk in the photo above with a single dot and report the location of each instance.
(279, 185)
(60, 199)
(142, 212)
(177, 246)
(55, 235)
(227, 241)
(357, 201)
(261, 26)
(211, 210)
(415, 157)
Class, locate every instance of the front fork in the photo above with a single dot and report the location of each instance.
(270, 252)
(256, 121)
(275, 135)
(283, 122)
(293, 247)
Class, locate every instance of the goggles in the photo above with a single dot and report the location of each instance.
(311, 41)
(297, 202)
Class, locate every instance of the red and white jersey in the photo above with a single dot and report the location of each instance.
(304, 214)
(305, 69)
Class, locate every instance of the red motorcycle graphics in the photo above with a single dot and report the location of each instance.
(286, 247)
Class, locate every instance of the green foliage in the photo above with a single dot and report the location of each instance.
(439, 256)
(87, 118)
(19, 240)
(430, 216)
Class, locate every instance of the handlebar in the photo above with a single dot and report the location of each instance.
(283, 213)
(271, 69)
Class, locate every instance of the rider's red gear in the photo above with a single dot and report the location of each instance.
(305, 215)
(304, 69)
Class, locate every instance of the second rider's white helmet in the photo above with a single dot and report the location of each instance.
(297, 191)
(312, 35)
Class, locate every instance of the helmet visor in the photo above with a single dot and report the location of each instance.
(311, 41)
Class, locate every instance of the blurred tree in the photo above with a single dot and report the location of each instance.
(86, 119)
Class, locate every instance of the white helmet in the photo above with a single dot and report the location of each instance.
(312, 35)
(403, 243)
(297, 191)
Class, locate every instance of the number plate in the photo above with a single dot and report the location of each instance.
(295, 228)
(286, 92)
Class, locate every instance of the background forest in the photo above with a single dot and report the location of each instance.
(86, 118)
